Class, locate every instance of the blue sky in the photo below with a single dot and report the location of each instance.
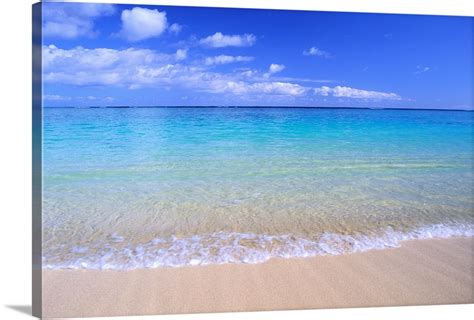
(105, 55)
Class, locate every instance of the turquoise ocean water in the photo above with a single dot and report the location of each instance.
(129, 188)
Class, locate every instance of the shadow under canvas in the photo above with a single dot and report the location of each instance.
(25, 309)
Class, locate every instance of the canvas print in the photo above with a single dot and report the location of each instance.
(193, 159)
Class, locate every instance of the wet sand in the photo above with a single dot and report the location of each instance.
(435, 271)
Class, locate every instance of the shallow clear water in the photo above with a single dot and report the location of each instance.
(147, 187)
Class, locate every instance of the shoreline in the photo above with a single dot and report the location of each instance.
(246, 248)
(432, 271)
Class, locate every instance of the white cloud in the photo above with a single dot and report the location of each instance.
(137, 68)
(97, 99)
(248, 73)
(175, 28)
(348, 92)
(224, 59)
(141, 23)
(313, 51)
(101, 66)
(243, 88)
(284, 88)
(323, 91)
(275, 68)
(181, 54)
(58, 98)
(72, 20)
(219, 40)
(55, 97)
(421, 69)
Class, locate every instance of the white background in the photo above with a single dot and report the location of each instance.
(15, 156)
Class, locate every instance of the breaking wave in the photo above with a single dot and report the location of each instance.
(225, 247)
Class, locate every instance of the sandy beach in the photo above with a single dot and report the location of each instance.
(435, 271)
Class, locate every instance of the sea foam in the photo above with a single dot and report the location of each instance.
(224, 247)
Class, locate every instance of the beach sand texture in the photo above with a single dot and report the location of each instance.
(435, 271)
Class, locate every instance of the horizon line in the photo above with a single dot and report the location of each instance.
(249, 107)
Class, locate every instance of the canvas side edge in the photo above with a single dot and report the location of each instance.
(37, 140)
